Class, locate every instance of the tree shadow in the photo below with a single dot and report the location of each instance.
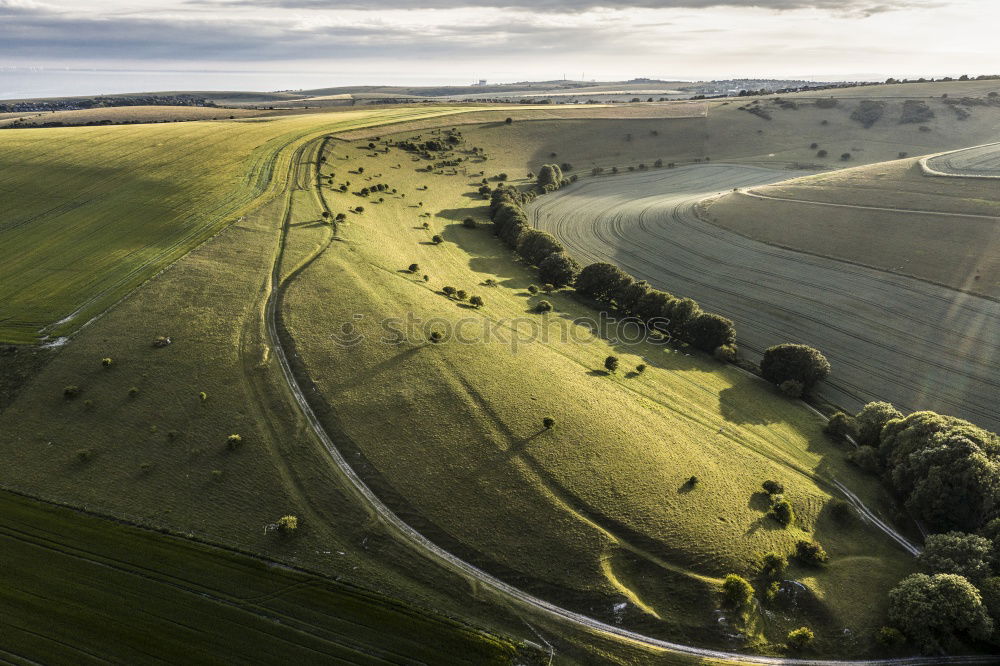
(760, 501)
(598, 373)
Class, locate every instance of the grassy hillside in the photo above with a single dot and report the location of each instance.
(124, 114)
(80, 589)
(960, 252)
(596, 510)
(95, 211)
(592, 512)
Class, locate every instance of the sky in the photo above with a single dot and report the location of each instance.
(61, 47)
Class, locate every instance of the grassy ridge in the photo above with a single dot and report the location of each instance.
(598, 506)
(80, 589)
(94, 211)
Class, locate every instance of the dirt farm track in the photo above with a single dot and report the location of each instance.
(888, 337)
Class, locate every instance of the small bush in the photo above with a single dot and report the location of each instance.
(436, 337)
(814, 145)
(792, 388)
(71, 392)
(611, 363)
(725, 353)
(890, 637)
(801, 638)
(692, 482)
(845, 156)
(436, 239)
(773, 487)
(771, 593)
(773, 565)
(106, 362)
(203, 396)
(469, 223)
(543, 306)
(234, 442)
(866, 457)
(841, 426)
(532, 289)
(548, 422)
(288, 523)
(821, 153)
(641, 368)
(448, 290)
(476, 302)
(414, 268)
(811, 553)
(737, 592)
(782, 512)
(903, 154)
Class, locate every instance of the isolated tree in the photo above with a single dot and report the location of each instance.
(476, 301)
(933, 610)
(821, 153)
(436, 239)
(611, 363)
(509, 121)
(796, 362)
(234, 442)
(448, 290)
(548, 422)
(871, 419)
(288, 524)
(107, 362)
(967, 555)
(641, 368)
(436, 337)
(708, 331)
(461, 294)
(414, 268)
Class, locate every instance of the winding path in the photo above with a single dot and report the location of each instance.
(511, 593)
(888, 337)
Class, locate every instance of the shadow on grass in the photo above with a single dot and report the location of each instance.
(734, 402)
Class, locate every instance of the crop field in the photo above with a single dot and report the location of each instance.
(99, 209)
(80, 589)
(888, 215)
(916, 344)
(595, 510)
(981, 161)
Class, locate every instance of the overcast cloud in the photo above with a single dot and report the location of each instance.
(455, 41)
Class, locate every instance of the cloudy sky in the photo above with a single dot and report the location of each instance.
(288, 44)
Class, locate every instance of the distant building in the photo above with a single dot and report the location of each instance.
(482, 82)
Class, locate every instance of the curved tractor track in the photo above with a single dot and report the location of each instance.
(975, 162)
(888, 337)
(512, 594)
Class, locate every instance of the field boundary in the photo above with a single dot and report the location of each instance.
(928, 170)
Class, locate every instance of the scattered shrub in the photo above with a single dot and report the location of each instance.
(476, 301)
(448, 290)
(414, 268)
(203, 396)
(548, 422)
(611, 363)
(436, 239)
(890, 637)
(234, 442)
(792, 388)
(532, 289)
(162, 341)
(781, 511)
(845, 157)
(106, 362)
(773, 565)
(288, 523)
(469, 223)
(841, 426)
(801, 638)
(461, 295)
(737, 593)
(71, 392)
(543, 306)
(868, 112)
(641, 368)
(866, 458)
(773, 487)
(821, 153)
(811, 553)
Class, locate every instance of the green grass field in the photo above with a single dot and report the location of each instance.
(94, 211)
(592, 513)
(80, 589)
(597, 507)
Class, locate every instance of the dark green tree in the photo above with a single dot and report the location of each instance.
(796, 362)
